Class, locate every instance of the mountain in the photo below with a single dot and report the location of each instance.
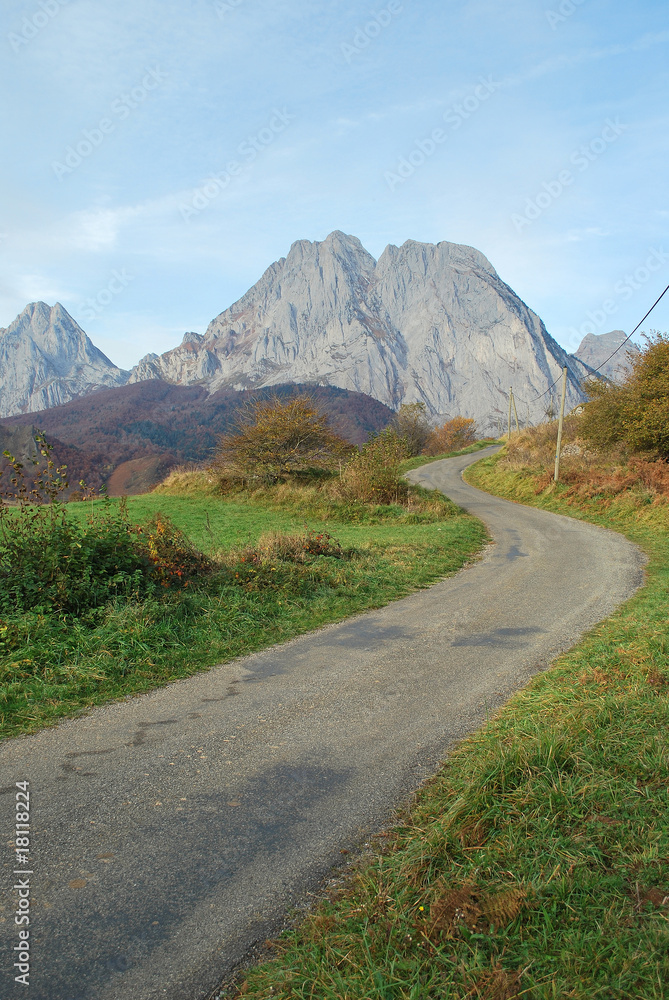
(47, 359)
(130, 436)
(426, 322)
(596, 349)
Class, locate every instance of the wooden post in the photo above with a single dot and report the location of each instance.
(559, 438)
(515, 411)
(509, 424)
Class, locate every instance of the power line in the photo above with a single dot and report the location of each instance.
(634, 330)
(658, 299)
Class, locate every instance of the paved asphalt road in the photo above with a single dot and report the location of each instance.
(172, 831)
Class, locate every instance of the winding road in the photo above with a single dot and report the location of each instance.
(172, 831)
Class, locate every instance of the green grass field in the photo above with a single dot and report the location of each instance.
(52, 666)
(536, 863)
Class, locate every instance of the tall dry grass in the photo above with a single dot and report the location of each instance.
(587, 472)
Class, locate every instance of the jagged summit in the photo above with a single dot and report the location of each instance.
(596, 349)
(426, 322)
(47, 359)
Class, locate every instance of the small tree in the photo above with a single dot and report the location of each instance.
(276, 439)
(634, 413)
(411, 423)
(454, 435)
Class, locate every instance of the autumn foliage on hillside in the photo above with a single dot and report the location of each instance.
(635, 413)
(129, 436)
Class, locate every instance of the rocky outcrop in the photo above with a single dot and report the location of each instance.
(425, 323)
(596, 350)
(46, 359)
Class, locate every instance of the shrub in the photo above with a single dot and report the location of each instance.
(276, 439)
(454, 435)
(412, 425)
(373, 474)
(634, 413)
(52, 561)
(173, 558)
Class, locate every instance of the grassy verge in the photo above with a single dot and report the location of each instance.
(53, 666)
(536, 863)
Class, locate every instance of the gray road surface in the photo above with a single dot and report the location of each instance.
(172, 831)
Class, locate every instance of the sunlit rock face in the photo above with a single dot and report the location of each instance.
(47, 359)
(430, 323)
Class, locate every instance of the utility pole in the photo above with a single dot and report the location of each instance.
(509, 424)
(515, 411)
(561, 421)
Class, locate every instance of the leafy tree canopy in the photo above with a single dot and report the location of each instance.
(634, 413)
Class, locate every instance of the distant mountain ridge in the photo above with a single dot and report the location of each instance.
(425, 323)
(46, 359)
(430, 323)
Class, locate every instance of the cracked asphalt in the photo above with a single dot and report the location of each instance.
(171, 832)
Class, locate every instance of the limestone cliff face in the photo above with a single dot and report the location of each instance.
(47, 359)
(596, 349)
(431, 323)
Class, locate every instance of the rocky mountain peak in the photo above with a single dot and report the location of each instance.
(430, 323)
(597, 349)
(47, 359)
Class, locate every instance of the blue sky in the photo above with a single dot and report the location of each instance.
(160, 154)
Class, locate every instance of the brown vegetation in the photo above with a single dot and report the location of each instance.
(454, 435)
(96, 434)
(373, 474)
(276, 439)
(411, 423)
(586, 471)
(617, 443)
(635, 413)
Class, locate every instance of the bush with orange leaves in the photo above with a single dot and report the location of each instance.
(454, 435)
